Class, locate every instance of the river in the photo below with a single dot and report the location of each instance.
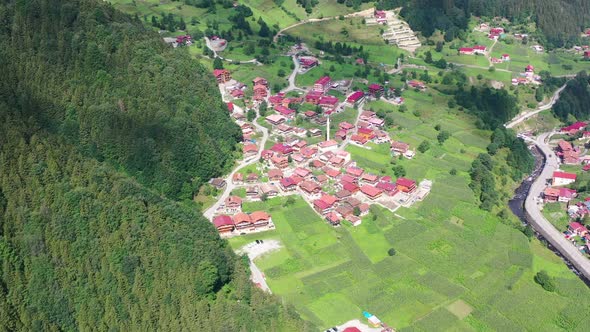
(516, 205)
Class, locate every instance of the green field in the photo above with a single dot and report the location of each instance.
(456, 267)
(438, 262)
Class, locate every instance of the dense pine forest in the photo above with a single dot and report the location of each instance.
(560, 21)
(117, 92)
(574, 102)
(95, 116)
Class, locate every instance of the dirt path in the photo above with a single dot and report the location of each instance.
(216, 55)
(362, 13)
(254, 250)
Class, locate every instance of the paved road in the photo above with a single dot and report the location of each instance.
(523, 116)
(229, 183)
(291, 78)
(359, 110)
(539, 222)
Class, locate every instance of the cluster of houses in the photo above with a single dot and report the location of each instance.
(567, 153)
(182, 40)
(260, 86)
(235, 222)
(527, 77)
(556, 192)
(326, 178)
(503, 58)
(577, 229)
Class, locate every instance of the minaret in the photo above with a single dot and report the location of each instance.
(328, 129)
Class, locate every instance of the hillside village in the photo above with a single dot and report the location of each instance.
(310, 162)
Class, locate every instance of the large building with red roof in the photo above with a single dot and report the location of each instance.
(563, 178)
(222, 75)
(355, 97)
(322, 84)
(405, 185)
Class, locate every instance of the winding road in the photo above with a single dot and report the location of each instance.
(216, 55)
(363, 13)
(523, 116)
(535, 216)
(230, 186)
(293, 76)
(533, 202)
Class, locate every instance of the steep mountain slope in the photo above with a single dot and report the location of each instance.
(84, 246)
(117, 92)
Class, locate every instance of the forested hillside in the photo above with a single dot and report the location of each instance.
(574, 102)
(86, 95)
(116, 91)
(559, 20)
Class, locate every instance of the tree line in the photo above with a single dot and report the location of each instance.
(574, 101)
(560, 21)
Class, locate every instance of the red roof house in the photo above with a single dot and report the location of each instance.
(288, 184)
(405, 185)
(313, 97)
(282, 148)
(355, 97)
(308, 62)
(222, 75)
(284, 111)
(563, 178)
(223, 223)
(371, 192)
(322, 84)
(376, 90)
(466, 50)
(388, 188)
(328, 102)
(260, 81)
(333, 218)
(362, 140)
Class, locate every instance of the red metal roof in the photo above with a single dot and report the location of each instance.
(564, 175)
(323, 81)
(356, 96)
(405, 182)
(371, 191)
(328, 100)
(321, 204)
(222, 220)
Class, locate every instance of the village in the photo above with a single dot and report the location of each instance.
(310, 162)
(566, 195)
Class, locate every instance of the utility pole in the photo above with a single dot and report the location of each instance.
(328, 129)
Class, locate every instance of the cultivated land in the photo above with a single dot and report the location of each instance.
(456, 267)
